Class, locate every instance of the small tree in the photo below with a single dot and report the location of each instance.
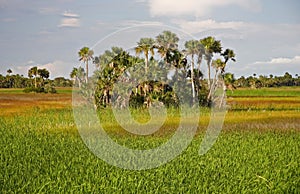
(9, 71)
(77, 74)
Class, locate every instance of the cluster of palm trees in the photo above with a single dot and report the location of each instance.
(186, 63)
(39, 75)
(41, 84)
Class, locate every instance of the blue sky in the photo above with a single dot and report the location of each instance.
(48, 34)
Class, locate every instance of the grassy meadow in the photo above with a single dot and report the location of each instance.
(257, 151)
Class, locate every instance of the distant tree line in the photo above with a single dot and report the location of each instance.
(37, 81)
(260, 81)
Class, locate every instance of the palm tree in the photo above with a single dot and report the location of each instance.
(211, 46)
(166, 41)
(33, 72)
(9, 71)
(229, 81)
(107, 57)
(192, 48)
(200, 54)
(219, 65)
(77, 74)
(44, 74)
(228, 54)
(85, 55)
(145, 45)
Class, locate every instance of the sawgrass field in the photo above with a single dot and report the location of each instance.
(257, 151)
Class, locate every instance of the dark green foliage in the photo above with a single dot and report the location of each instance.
(46, 89)
(136, 101)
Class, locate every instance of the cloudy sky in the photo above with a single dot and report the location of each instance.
(265, 34)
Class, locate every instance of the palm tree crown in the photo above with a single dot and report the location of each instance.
(166, 41)
(145, 45)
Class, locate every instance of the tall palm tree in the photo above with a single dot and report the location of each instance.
(85, 55)
(166, 41)
(33, 72)
(145, 45)
(192, 49)
(220, 65)
(211, 46)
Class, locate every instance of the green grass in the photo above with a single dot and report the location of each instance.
(42, 152)
(64, 90)
(60, 90)
(265, 92)
(257, 151)
(11, 91)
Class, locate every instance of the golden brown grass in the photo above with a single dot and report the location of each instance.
(18, 103)
(245, 113)
(264, 103)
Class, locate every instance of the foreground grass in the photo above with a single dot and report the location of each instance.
(258, 151)
(45, 154)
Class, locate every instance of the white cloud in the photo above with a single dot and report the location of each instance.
(69, 14)
(141, 1)
(30, 62)
(275, 66)
(70, 20)
(206, 25)
(131, 23)
(196, 7)
(281, 61)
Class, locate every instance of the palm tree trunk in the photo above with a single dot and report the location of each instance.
(146, 62)
(87, 71)
(211, 89)
(199, 62)
(192, 78)
(208, 72)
